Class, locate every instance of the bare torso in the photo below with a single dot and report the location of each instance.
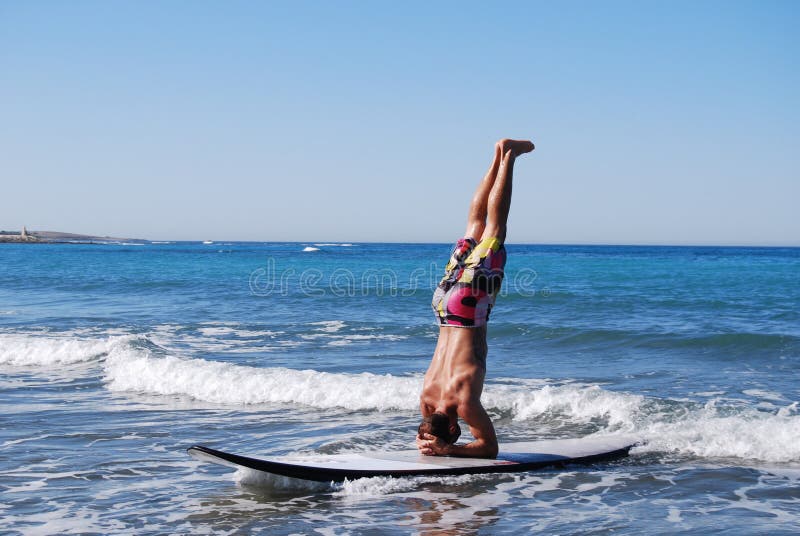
(456, 371)
(453, 386)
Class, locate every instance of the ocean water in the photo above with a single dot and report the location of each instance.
(116, 358)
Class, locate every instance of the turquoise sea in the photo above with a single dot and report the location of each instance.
(114, 358)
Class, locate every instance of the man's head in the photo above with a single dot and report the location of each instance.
(439, 424)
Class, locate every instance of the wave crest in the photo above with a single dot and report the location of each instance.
(38, 351)
(718, 429)
(711, 433)
(132, 369)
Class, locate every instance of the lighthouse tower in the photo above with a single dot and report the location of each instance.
(24, 234)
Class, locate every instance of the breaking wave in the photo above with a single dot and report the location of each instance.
(716, 429)
(42, 350)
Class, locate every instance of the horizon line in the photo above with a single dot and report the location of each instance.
(89, 237)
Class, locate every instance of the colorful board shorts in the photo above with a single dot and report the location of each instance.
(466, 294)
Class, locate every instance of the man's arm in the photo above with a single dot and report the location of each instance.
(481, 427)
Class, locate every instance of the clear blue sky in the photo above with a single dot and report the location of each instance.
(655, 122)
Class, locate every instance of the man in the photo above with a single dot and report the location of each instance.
(462, 303)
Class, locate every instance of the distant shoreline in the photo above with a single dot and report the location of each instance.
(73, 242)
(111, 242)
(51, 237)
(55, 237)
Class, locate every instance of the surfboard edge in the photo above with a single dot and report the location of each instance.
(320, 474)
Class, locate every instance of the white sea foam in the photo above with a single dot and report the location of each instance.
(708, 431)
(330, 332)
(718, 429)
(26, 350)
(249, 334)
(328, 326)
(269, 481)
(709, 393)
(350, 489)
(309, 248)
(133, 369)
(381, 485)
(711, 432)
(581, 403)
(369, 487)
(215, 331)
(218, 337)
(766, 395)
(344, 340)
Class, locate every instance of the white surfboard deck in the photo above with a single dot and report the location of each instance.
(513, 457)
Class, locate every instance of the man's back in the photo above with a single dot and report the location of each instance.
(453, 386)
(456, 370)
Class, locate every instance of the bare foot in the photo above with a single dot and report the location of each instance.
(517, 147)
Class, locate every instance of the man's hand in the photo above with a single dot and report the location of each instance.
(430, 445)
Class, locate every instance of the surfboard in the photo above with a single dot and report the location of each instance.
(513, 457)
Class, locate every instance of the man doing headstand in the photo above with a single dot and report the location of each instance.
(462, 303)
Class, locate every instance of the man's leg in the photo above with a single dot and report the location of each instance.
(499, 201)
(476, 220)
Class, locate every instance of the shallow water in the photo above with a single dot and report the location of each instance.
(116, 358)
